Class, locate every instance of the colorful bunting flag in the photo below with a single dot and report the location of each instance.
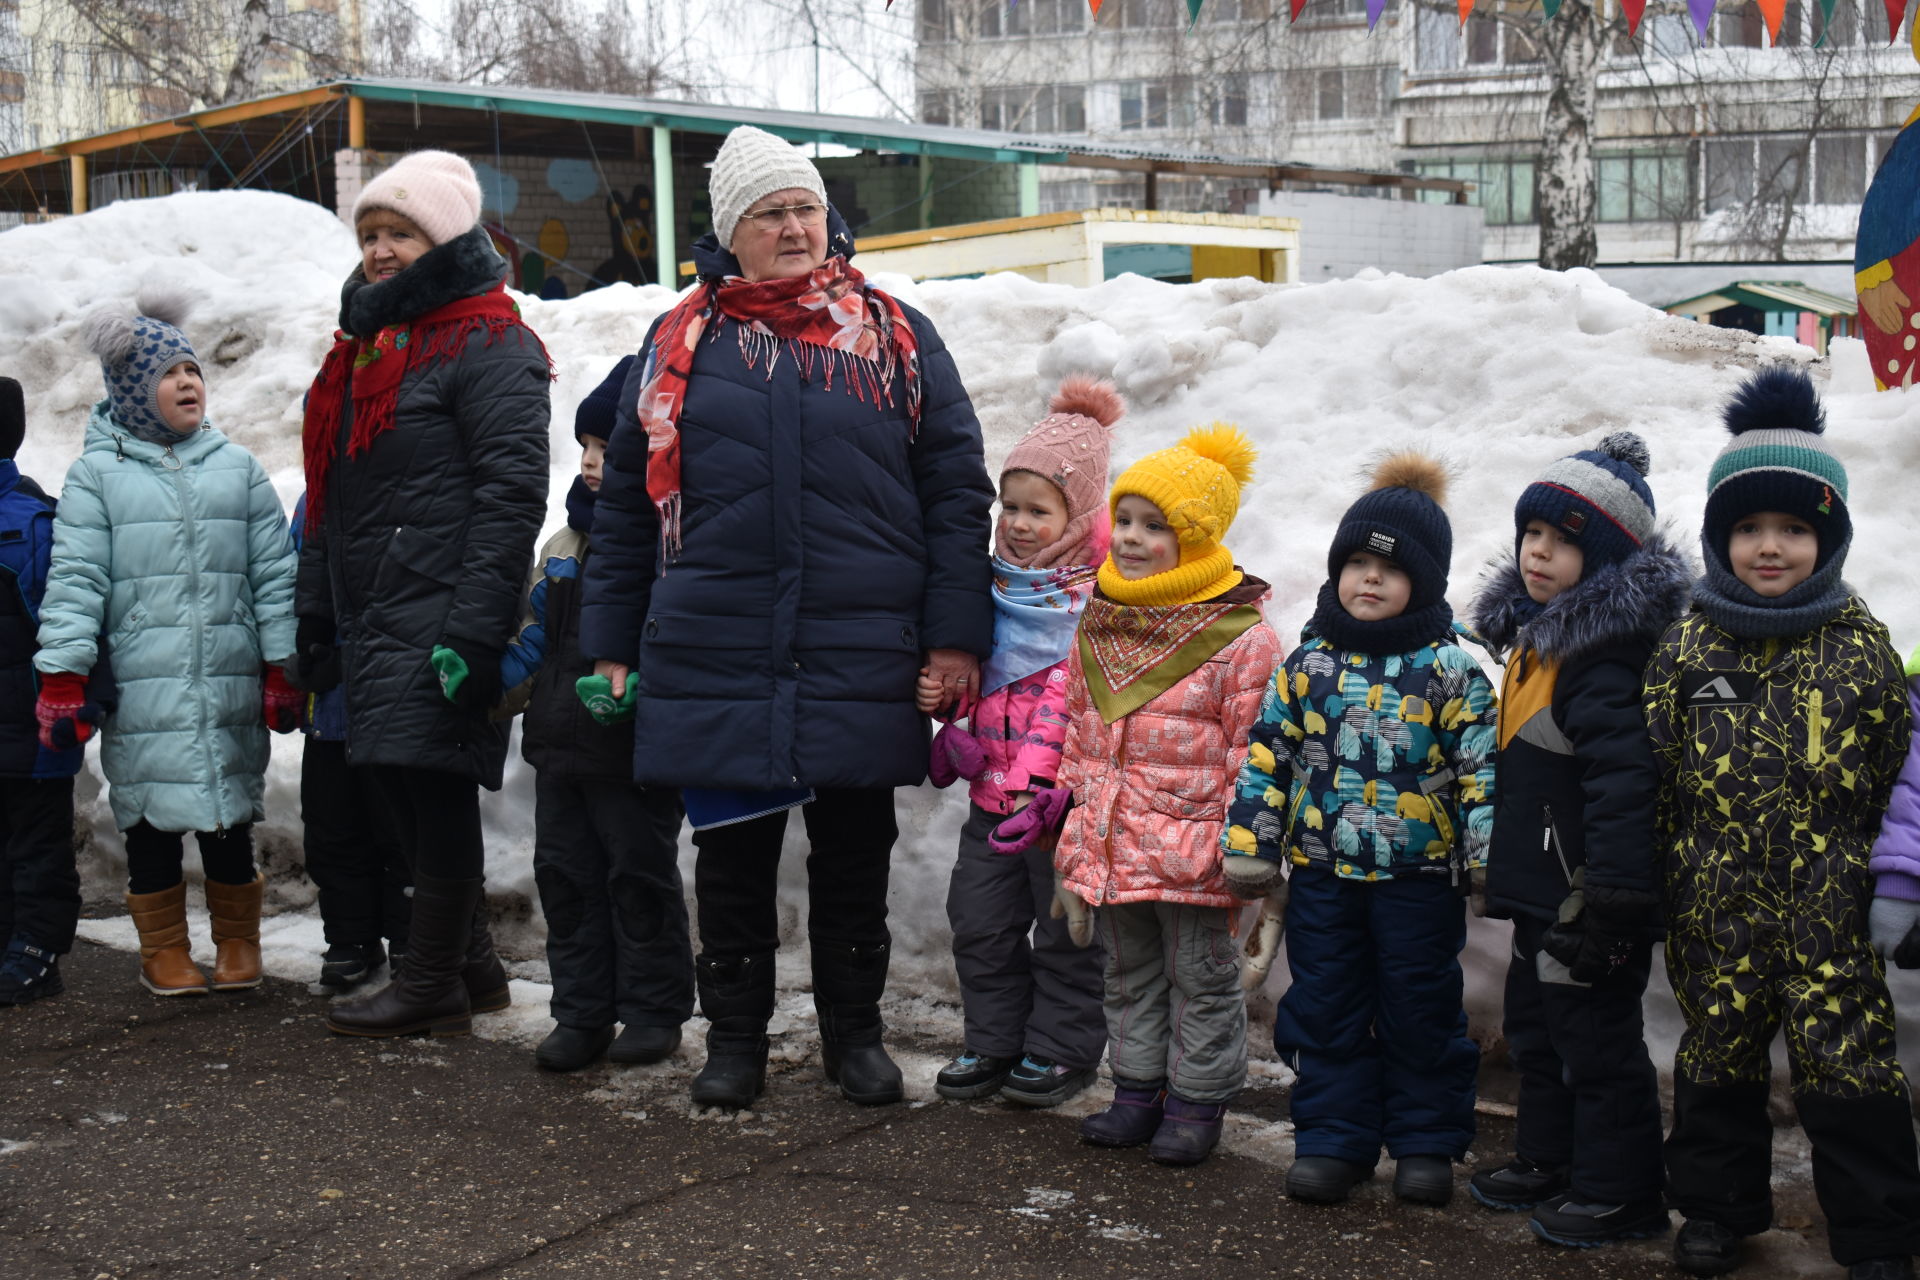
(1826, 22)
(1773, 11)
(1634, 9)
(1466, 7)
(1896, 10)
(1193, 11)
(1295, 6)
(1377, 7)
(1702, 13)
(1553, 6)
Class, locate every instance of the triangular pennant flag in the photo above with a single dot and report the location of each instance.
(1553, 6)
(1295, 6)
(1633, 9)
(1896, 10)
(1826, 23)
(1193, 11)
(1466, 8)
(1702, 11)
(1773, 11)
(1377, 7)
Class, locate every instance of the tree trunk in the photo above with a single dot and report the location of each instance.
(1565, 204)
(255, 34)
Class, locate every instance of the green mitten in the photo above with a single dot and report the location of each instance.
(596, 694)
(451, 668)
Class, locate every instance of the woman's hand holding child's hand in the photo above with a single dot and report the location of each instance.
(280, 702)
(928, 696)
(65, 715)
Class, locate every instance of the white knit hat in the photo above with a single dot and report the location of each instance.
(754, 163)
(435, 190)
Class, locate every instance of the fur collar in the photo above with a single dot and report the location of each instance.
(462, 267)
(1632, 601)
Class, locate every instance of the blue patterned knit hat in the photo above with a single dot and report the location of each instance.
(136, 349)
(1598, 497)
(1778, 460)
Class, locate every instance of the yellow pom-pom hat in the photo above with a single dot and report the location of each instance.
(1196, 484)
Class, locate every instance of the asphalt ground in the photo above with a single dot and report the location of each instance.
(232, 1136)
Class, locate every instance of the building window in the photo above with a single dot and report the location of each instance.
(1157, 104)
(1742, 28)
(1842, 29)
(935, 108)
(1644, 187)
(1221, 11)
(1840, 168)
(1502, 188)
(1503, 39)
(1227, 100)
(1042, 109)
(934, 22)
(1727, 172)
(1142, 13)
(997, 19)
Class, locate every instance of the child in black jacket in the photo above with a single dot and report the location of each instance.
(1574, 614)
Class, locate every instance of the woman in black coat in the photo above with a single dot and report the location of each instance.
(426, 460)
(792, 523)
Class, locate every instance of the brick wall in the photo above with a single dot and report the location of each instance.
(1340, 235)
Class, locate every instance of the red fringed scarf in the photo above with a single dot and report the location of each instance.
(826, 318)
(371, 371)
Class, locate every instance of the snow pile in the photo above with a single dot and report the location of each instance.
(1496, 370)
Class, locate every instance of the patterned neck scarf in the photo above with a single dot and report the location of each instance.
(371, 371)
(829, 319)
(1035, 612)
(1131, 654)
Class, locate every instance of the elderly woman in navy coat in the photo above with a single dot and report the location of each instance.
(791, 526)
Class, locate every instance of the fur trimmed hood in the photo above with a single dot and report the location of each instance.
(460, 268)
(1631, 601)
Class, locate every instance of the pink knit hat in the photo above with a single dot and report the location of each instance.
(435, 190)
(1069, 448)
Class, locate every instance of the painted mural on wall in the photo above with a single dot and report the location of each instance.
(568, 225)
(1886, 258)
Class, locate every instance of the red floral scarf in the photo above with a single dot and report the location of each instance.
(372, 370)
(827, 318)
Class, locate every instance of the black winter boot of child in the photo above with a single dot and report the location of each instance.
(430, 994)
(848, 981)
(736, 997)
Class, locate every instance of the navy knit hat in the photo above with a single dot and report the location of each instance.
(1778, 460)
(135, 352)
(1400, 518)
(596, 413)
(13, 417)
(1597, 497)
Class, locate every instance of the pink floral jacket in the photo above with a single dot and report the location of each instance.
(1151, 789)
(1021, 728)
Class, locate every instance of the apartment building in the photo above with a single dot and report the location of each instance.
(1723, 149)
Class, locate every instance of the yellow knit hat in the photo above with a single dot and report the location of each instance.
(1196, 484)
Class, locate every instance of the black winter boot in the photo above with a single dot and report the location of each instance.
(848, 981)
(736, 997)
(430, 994)
(485, 976)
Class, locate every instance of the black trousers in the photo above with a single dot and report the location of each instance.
(39, 883)
(154, 856)
(436, 820)
(352, 854)
(1720, 1164)
(1589, 1096)
(606, 861)
(736, 875)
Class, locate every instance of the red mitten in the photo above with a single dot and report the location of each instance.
(66, 717)
(280, 702)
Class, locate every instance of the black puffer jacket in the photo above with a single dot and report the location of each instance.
(1576, 780)
(826, 546)
(427, 534)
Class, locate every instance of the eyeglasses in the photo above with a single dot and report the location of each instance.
(809, 215)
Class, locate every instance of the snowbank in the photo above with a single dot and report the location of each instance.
(1497, 370)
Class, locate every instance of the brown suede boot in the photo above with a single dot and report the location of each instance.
(166, 968)
(235, 909)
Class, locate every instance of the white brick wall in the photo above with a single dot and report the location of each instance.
(1341, 235)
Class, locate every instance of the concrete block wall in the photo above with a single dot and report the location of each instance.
(1341, 235)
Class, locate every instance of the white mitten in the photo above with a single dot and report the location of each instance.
(1263, 941)
(1068, 904)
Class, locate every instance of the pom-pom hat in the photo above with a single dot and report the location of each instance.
(753, 163)
(135, 350)
(1778, 460)
(1598, 497)
(1069, 449)
(1196, 484)
(1401, 519)
(436, 191)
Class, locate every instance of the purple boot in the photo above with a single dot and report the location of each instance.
(1189, 1132)
(1133, 1118)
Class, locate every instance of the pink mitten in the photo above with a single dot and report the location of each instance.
(1043, 816)
(956, 755)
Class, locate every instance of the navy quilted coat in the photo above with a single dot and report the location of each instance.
(827, 546)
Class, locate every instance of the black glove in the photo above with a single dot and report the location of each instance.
(469, 673)
(315, 664)
(1600, 927)
(1907, 954)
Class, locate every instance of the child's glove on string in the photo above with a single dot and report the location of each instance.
(469, 675)
(1894, 926)
(1263, 942)
(65, 714)
(596, 695)
(1043, 817)
(1477, 890)
(1250, 877)
(956, 754)
(1071, 907)
(1599, 927)
(280, 702)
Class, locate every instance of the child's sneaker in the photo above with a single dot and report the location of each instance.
(1042, 1082)
(1519, 1184)
(972, 1075)
(1564, 1220)
(1705, 1248)
(29, 972)
(345, 966)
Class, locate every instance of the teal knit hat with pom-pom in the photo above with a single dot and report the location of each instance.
(1778, 460)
